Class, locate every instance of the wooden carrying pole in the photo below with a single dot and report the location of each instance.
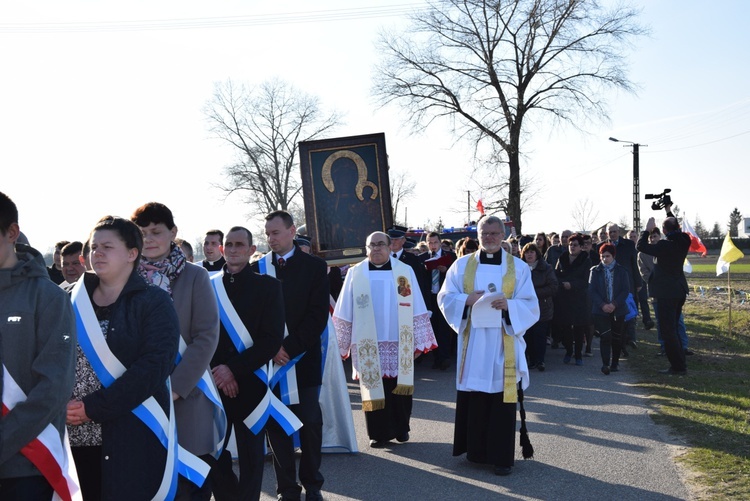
(729, 295)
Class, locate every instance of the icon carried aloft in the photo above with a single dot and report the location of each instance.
(347, 194)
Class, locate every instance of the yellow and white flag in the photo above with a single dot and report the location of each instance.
(729, 254)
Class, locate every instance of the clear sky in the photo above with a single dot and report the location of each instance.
(101, 111)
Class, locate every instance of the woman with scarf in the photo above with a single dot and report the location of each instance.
(164, 264)
(571, 303)
(609, 288)
(545, 286)
(128, 341)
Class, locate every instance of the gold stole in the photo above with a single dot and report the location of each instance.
(365, 336)
(510, 392)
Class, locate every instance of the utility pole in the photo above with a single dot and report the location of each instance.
(636, 182)
(468, 208)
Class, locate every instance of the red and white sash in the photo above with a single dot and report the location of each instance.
(48, 452)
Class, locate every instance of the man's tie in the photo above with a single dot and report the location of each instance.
(435, 278)
(281, 262)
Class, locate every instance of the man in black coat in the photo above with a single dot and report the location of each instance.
(667, 285)
(306, 301)
(436, 277)
(259, 304)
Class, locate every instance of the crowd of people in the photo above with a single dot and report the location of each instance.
(136, 365)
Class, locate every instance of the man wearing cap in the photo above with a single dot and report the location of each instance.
(382, 321)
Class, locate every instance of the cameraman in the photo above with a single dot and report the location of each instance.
(667, 284)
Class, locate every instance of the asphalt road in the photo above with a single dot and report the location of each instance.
(592, 436)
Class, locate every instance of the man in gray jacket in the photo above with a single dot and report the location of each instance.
(38, 340)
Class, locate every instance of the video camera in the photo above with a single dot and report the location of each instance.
(662, 199)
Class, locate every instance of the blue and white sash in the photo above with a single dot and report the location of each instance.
(284, 375)
(108, 368)
(270, 405)
(191, 466)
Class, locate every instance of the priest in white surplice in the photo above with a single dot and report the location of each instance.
(489, 300)
(381, 319)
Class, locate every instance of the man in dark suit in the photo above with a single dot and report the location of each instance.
(667, 285)
(627, 257)
(259, 304)
(443, 331)
(305, 288)
(398, 241)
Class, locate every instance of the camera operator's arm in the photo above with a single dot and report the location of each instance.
(668, 208)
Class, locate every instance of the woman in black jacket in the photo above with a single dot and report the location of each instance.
(545, 286)
(141, 330)
(571, 303)
(609, 286)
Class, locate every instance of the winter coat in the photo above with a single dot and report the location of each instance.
(598, 289)
(667, 280)
(143, 334)
(571, 305)
(545, 285)
(38, 339)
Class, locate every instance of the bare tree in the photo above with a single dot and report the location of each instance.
(484, 64)
(583, 214)
(265, 124)
(403, 188)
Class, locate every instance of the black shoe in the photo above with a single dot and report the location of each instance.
(605, 370)
(503, 470)
(672, 372)
(689, 352)
(403, 438)
(313, 496)
(378, 444)
(436, 364)
(614, 368)
(540, 367)
(633, 345)
(648, 325)
(555, 346)
(445, 364)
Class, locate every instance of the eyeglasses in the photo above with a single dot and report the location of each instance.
(492, 234)
(376, 245)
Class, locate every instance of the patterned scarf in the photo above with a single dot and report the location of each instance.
(608, 278)
(164, 272)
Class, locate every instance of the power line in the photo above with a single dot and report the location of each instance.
(703, 144)
(319, 16)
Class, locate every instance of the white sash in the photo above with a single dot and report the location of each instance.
(270, 405)
(285, 375)
(48, 452)
(108, 368)
(191, 466)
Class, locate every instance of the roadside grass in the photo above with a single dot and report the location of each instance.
(734, 268)
(710, 407)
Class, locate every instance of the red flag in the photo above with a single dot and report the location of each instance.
(480, 206)
(695, 242)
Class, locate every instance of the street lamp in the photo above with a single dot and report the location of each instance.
(636, 183)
